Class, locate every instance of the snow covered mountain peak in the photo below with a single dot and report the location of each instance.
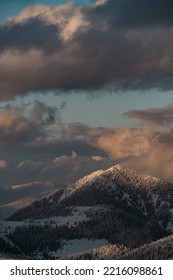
(115, 180)
(99, 174)
(112, 178)
(104, 203)
(116, 167)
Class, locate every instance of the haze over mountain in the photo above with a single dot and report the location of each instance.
(18, 196)
(116, 207)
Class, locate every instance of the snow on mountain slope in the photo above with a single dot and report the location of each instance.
(78, 215)
(112, 182)
(89, 179)
(142, 192)
(160, 249)
(118, 187)
(114, 178)
(119, 205)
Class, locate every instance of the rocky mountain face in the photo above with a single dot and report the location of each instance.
(116, 207)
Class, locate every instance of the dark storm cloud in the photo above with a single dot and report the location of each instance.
(156, 116)
(161, 83)
(136, 13)
(27, 35)
(68, 47)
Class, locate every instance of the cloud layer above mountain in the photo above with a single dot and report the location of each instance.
(146, 148)
(116, 44)
(38, 131)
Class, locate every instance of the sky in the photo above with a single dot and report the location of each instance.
(85, 85)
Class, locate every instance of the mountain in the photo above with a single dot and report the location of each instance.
(161, 249)
(116, 207)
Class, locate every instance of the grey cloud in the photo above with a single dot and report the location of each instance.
(110, 59)
(73, 48)
(156, 116)
(146, 149)
(75, 131)
(135, 13)
(118, 143)
(33, 33)
(19, 125)
(161, 83)
(37, 163)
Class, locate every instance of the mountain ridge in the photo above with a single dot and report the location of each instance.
(117, 205)
(144, 193)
